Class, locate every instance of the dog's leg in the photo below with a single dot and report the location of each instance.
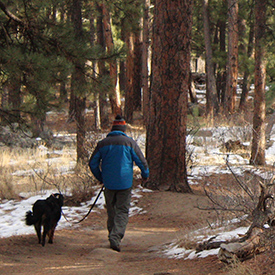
(37, 227)
(45, 232)
(51, 232)
(44, 237)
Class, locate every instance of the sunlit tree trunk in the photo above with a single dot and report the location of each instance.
(145, 50)
(258, 141)
(103, 104)
(97, 124)
(166, 133)
(192, 91)
(232, 65)
(133, 41)
(129, 89)
(114, 94)
(221, 72)
(211, 89)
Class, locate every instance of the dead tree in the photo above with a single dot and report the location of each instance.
(255, 239)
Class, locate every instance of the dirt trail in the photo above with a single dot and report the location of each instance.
(85, 250)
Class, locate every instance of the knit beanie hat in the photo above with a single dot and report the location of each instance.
(119, 124)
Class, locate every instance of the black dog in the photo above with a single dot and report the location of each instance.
(45, 213)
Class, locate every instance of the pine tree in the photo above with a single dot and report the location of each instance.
(166, 131)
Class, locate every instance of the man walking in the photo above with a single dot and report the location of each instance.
(112, 164)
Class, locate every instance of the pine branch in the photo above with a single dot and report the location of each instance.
(9, 14)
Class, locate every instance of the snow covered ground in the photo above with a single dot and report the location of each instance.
(12, 212)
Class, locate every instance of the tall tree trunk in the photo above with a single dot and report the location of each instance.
(114, 95)
(122, 76)
(15, 98)
(97, 124)
(78, 85)
(144, 70)
(221, 75)
(122, 63)
(71, 116)
(63, 97)
(103, 104)
(232, 65)
(39, 116)
(82, 154)
(97, 113)
(192, 91)
(258, 141)
(211, 89)
(247, 73)
(137, 71)
(166, 133)
(129, 89)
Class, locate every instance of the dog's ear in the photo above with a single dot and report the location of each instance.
(59, 197)
(60, 200)
(56, 195)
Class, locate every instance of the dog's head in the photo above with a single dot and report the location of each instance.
(59, 198)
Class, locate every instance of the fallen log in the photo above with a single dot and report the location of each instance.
(240, 251)
(254, 241)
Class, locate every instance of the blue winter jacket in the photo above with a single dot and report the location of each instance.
(112, 161)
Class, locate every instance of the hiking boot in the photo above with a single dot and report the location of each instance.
(115, 247)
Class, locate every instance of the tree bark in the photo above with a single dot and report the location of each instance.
(144, 72)
(258, 141)
(211, 89)
(221, 75)
(133, 69)
(78, 86)
(15, 99)
(246, 77)
(114, 95)
(103, 110)
(166, 133)
(137, 71)
(232, 65)
(129, 89)
(122, 63)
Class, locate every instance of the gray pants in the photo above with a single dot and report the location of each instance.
(118, 204)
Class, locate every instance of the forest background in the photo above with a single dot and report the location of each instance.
(138, 59)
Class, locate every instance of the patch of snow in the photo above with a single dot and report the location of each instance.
(12, 213)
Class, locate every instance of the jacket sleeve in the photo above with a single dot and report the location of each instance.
(94, 164)
(140, 161)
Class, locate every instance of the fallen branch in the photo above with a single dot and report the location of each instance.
(254, 241)
(235, 251)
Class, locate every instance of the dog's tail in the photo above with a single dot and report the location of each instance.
(30, 220)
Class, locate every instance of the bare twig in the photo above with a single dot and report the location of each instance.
(243, 186)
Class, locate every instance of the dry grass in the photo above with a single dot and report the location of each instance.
(36, 170)
(239, 269)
